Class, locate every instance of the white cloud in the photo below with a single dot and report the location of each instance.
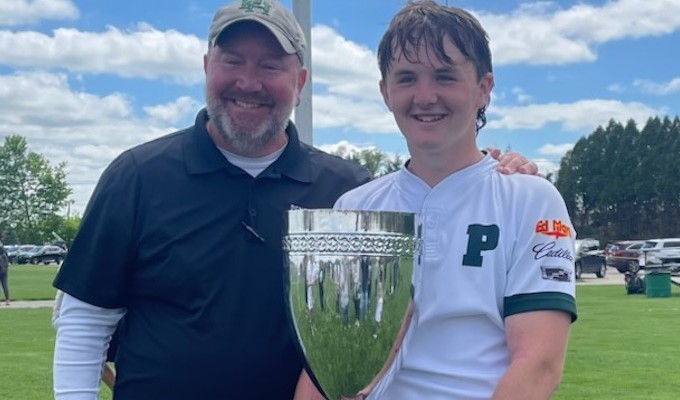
(39, 99)
(363, 116)
(173, 112)
(545, 166)
(542, 33)
(83, 129)
(576, 116)
(346, 80)
(555, 149)
(616, 20)
(144, 52)
(343, 147)
(650, 87)
(20, 12)
(521, 95)
(616, 88)
(342, 66)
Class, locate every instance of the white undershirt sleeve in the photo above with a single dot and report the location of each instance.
(83, 335)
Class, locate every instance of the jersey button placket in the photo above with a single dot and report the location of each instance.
(431, 245)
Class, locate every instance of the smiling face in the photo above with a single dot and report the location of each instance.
(435, 102)
(252, 86)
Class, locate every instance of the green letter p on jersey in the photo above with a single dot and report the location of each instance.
(480, 238)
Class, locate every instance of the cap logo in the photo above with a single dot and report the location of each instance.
(251, 5)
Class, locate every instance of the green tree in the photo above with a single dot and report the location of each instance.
(393, 164)
(377, 162)
(68, 228)
(32, 192)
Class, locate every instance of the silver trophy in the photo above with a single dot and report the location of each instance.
(349, 285)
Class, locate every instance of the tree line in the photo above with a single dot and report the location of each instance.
(624, 183)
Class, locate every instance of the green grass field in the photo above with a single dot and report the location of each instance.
(31, 282)
(27, 337)
(623, 347)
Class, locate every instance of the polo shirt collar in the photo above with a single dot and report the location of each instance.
(202, 155)
(294, 161)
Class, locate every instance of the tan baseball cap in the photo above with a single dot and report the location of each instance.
(271, 14)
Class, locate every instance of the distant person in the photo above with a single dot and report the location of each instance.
(182, 236)
(4, 273)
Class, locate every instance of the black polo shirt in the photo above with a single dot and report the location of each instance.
(164, 236)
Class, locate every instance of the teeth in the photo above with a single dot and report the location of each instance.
(246, 105)
(429, 118)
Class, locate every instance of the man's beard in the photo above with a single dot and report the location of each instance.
(246, 141)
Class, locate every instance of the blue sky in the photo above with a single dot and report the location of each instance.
(83, 80)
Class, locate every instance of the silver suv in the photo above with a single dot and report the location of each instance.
(661, 252)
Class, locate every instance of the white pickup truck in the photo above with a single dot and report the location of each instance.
(661, 252)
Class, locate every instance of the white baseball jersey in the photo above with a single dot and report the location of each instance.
(493, 245)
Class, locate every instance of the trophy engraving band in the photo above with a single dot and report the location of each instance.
(349, 244)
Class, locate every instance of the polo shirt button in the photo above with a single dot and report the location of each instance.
(252, 212)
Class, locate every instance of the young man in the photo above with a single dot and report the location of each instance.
(494, 284)
(182, 236)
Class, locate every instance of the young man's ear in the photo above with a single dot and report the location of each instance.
(385, 95)
(486, 85)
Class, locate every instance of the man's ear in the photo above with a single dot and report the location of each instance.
(302, 79)
(385, 94)
(205, 63)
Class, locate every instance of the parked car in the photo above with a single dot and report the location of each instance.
(664, 251)
(42, 254)
(588, 258)
(623, 255)
(22, 252)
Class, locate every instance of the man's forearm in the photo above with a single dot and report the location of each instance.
(83, 335)
(529, 382)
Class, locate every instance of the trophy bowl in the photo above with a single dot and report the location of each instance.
(349, 283)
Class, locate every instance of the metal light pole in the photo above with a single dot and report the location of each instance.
(303, 112)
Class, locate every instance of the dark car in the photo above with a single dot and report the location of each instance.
(23, 251)
(588, 258)
(623, 255)
(42, 254)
